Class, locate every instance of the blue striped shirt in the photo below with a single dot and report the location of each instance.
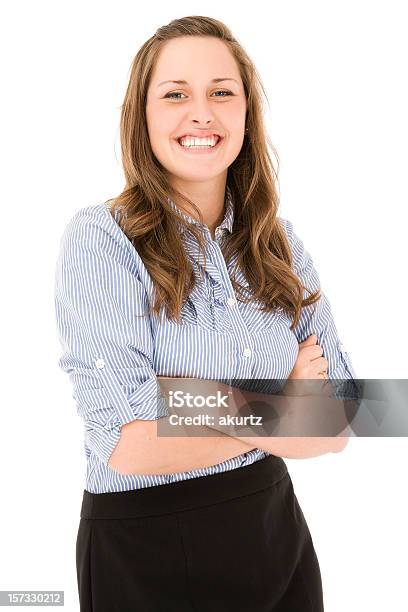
(113, 354)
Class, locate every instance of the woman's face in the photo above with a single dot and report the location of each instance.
(198, 106)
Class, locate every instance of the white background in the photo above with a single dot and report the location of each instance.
(335, 75)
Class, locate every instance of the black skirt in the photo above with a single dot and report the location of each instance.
(236, 541)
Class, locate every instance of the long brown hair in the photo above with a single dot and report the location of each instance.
(151, 224)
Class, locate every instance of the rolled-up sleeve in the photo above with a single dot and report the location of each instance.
(104, 330)
(317, 318)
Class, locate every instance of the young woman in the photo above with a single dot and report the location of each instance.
(189, 273)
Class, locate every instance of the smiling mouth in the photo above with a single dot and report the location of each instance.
(201, 148)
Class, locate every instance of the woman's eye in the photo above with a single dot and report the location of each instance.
(178, 93)
(224, 91)
(173, 93)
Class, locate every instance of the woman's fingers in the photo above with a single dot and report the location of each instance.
(319, 365)
(310, 363)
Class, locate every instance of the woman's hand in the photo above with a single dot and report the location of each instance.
(310, 366)
(309, 363)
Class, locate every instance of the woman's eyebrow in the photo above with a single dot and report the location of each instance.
(181, 82)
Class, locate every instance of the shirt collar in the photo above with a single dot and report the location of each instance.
(225, 225)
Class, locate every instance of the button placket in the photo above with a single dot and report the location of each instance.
(222, 298)
(237, 324)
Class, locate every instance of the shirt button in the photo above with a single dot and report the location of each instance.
(231, 301)
(100, 363)
(247, 352)
(341, 347)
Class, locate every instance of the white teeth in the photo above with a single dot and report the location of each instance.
(191, 141)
